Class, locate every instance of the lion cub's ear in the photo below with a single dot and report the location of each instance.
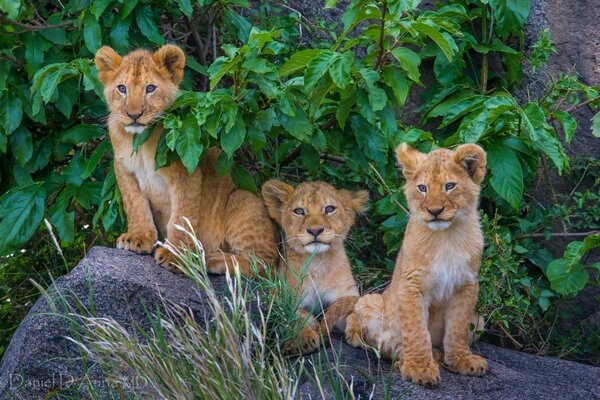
(409, 159)
(356, 201)
(107, 63)
(473, 159)
(172, 59)
(276, 194)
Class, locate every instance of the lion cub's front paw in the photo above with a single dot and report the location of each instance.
(307, 343)
(426, 374)
(164, 258)
(140, 242)
(468, 365)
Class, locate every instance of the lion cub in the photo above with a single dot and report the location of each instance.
(232, 224)
(429, 306)
(316, 218)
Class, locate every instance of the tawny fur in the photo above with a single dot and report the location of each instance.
(319, 272)
(427, 312)
(232, 224)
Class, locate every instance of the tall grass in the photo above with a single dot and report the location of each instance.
(232, 352)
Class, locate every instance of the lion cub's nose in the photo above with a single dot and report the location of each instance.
(315, 231)
(435, 211)
(135, 116)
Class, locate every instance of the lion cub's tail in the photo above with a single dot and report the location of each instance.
(336, 314)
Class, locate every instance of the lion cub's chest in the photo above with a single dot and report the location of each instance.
(142, 166)
(450, 269)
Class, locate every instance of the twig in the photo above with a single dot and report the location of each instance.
(585, 103)
(557, 234)
(380, 56)
(28, 27)
(512, 339)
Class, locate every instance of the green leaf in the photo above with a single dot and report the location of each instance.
(340, 69)
(11, 112)
(565, 278)
(243, 178)
(98, 7)
(219, 69)
(22, 210)
(11, 8)
(568, 123)
(186, 7)
(63, 221)
(241, 25)
(297, 125)
(395, 80)
(316, 68)
(348, 98)
(92, 34)
(596, 125)
(144, 18)
(298, 61)
(510, 15)
(21, 145)
(80, 133)
(102, 149)
(507, 174)
(377, 96)
(535, 126)
(442, 39)
(188, 145)
(232, 140)
(372, 143)
(410, 62)
(119, 35)
(461, 108)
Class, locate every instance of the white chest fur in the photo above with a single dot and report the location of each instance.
(449, 270)
(142, 166)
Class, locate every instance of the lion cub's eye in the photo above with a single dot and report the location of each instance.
(329, 209)
(299, 211)
(150, 88)
(122, 88)
(449, 186)
(422, 188)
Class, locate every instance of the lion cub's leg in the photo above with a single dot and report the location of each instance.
(368, 327)
(249, 233)
(459, 317)
(141, 233)
(309, 338)
(184, 193)
(418, 365)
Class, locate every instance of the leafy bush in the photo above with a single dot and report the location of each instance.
(331, 107)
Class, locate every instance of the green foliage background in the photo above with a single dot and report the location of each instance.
(292, 98)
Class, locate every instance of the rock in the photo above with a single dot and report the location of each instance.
(40, 360)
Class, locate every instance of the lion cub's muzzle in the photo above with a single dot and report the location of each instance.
(314, 241)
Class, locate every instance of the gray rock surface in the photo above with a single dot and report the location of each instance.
(40, 360)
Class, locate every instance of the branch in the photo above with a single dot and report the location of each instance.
(557, 234)
(585, 103)
(29, 27)
(381, 55)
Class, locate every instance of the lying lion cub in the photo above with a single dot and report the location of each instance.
(316, 219)
(429, 306)
(231, 223)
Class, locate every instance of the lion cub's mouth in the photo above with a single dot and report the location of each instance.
(135, 127)
(437, 224)
(316, 247)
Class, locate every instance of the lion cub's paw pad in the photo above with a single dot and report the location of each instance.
(425, 375)
(139, 242)
(470, 365)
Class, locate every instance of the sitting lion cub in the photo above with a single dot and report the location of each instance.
(429, 306)
(316, 219)
(231, 223)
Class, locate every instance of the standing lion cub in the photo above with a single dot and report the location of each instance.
(428, 309)
(231, 223)
(316, 219)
